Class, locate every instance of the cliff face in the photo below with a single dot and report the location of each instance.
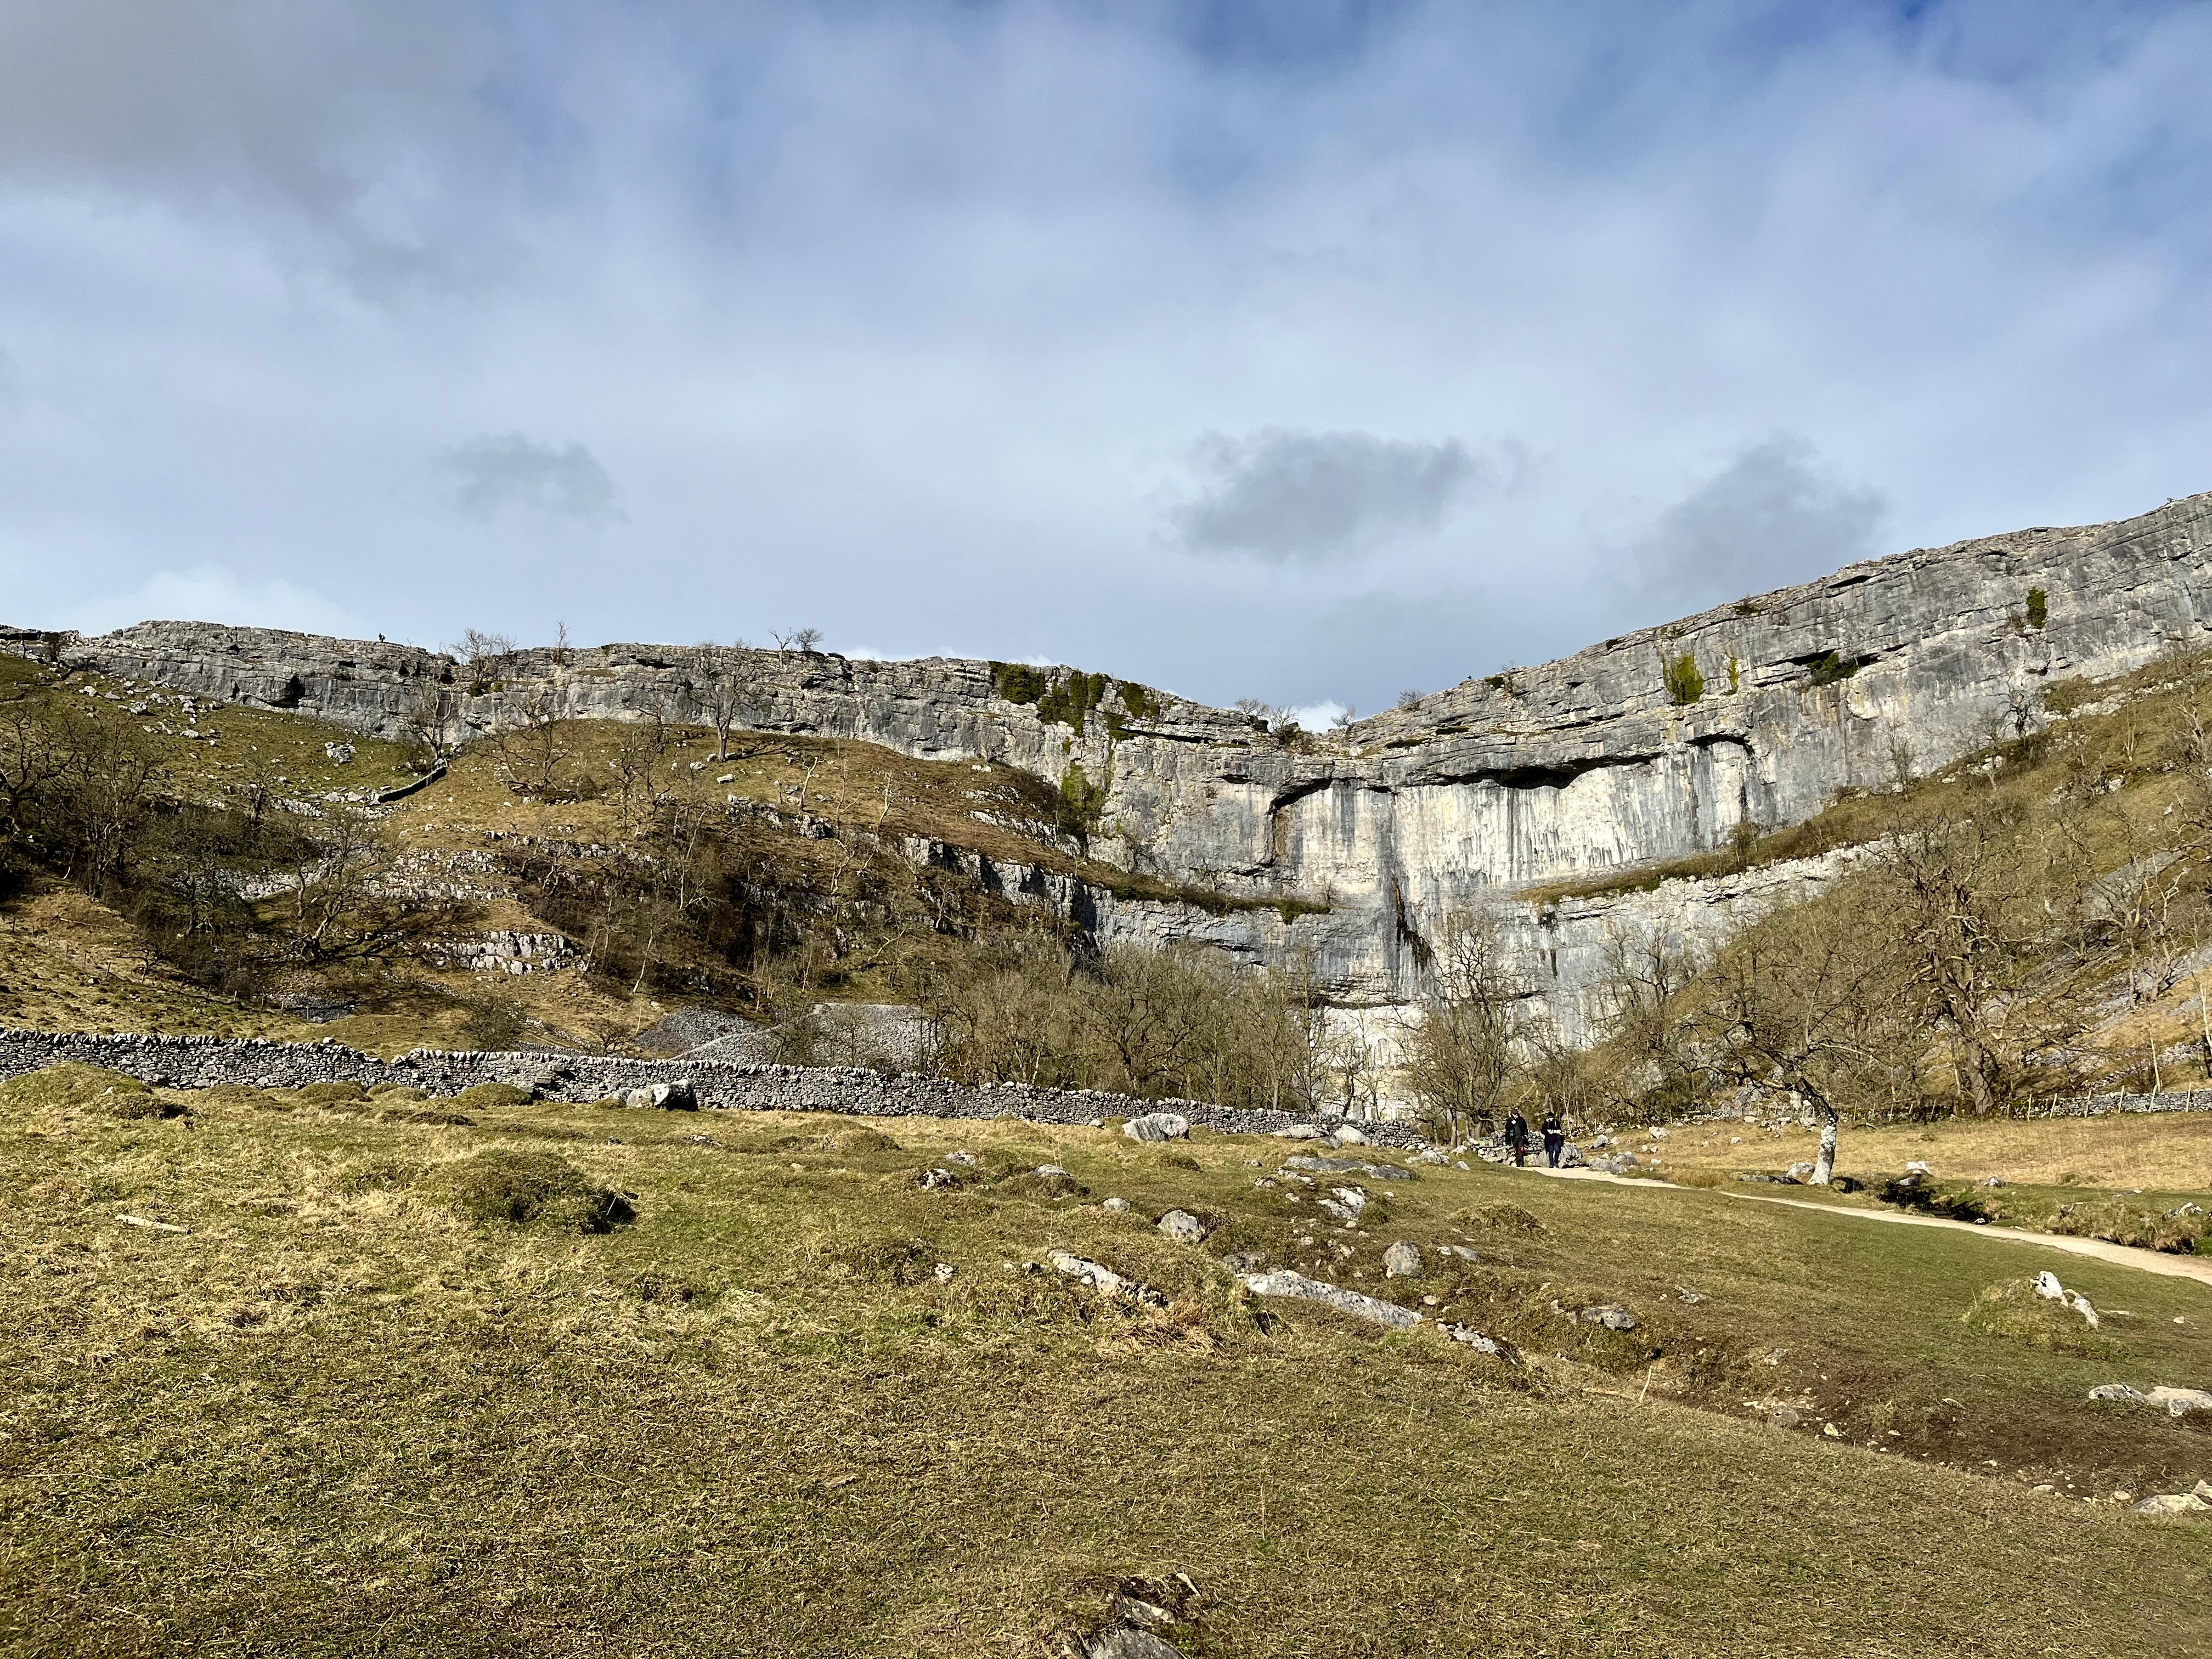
(1647, 747)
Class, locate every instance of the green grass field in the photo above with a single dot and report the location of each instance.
(338, 1416)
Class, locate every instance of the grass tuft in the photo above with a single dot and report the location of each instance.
(2014, 1311)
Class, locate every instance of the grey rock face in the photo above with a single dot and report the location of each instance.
(1403, 1261)
(1575, 767)
(1157, 1126)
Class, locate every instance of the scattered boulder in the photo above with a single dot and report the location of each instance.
(1495, 1348)
(1460, 1251)
(1049, 1170)
(1348, 1136)
(2174, 1503)
(1349, 1166)
(1994, 1183)
(1298, 1132)
(1403, 1261)
(677, 1097)
(1799, 1172)
(1157, 1126)
(2120, 1391)
(1917, 1166)
(1611, 1315)
(2180, 1402)
(938, 1178)
(1103, 1280)
(1786, 1417)
(967, 1159)
(1182, 1226)
(1118, 1205)
(1284, 1283)
(2048, 1287)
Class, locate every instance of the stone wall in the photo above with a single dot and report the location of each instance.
(195, 1062)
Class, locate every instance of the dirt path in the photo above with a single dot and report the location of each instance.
(2120, 1255)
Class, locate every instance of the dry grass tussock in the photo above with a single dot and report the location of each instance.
(350, 1407)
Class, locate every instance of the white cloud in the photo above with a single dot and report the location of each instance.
(211, 594)
(1316, 716)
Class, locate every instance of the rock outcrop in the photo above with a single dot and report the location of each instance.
(1647, 747)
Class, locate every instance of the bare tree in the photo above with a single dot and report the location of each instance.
(801, 639)
(1965, 896)
(534, 747)
(343, 902)
(484, 656)
(422, 727)
(1469, 1024)
(1814, 1005)
(722, 694)
(640, 748)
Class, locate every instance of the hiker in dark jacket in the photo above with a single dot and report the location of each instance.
(1555, 1137)
(1516, 1136)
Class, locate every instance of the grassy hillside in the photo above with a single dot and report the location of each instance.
(346, 1410)
(174, 872)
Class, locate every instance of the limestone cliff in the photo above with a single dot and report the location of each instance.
(1646, 747)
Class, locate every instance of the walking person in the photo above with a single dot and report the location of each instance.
(1555, 1137)
(1516, 1137)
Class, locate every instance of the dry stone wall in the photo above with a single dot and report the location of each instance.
(195, 1062)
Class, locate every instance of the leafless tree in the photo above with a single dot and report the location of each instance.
(721, 693)
(532, 744)
(485, 656)
(422, 726)
(1814, 1005)
(1470, 1022)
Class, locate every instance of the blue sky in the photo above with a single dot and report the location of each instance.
(1306, 351)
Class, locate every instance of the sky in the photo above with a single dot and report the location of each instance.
(1309, 351)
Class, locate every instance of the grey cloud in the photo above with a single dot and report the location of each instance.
(493, 472)
(362, 125)
(1314, 498)
(1774, 516)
